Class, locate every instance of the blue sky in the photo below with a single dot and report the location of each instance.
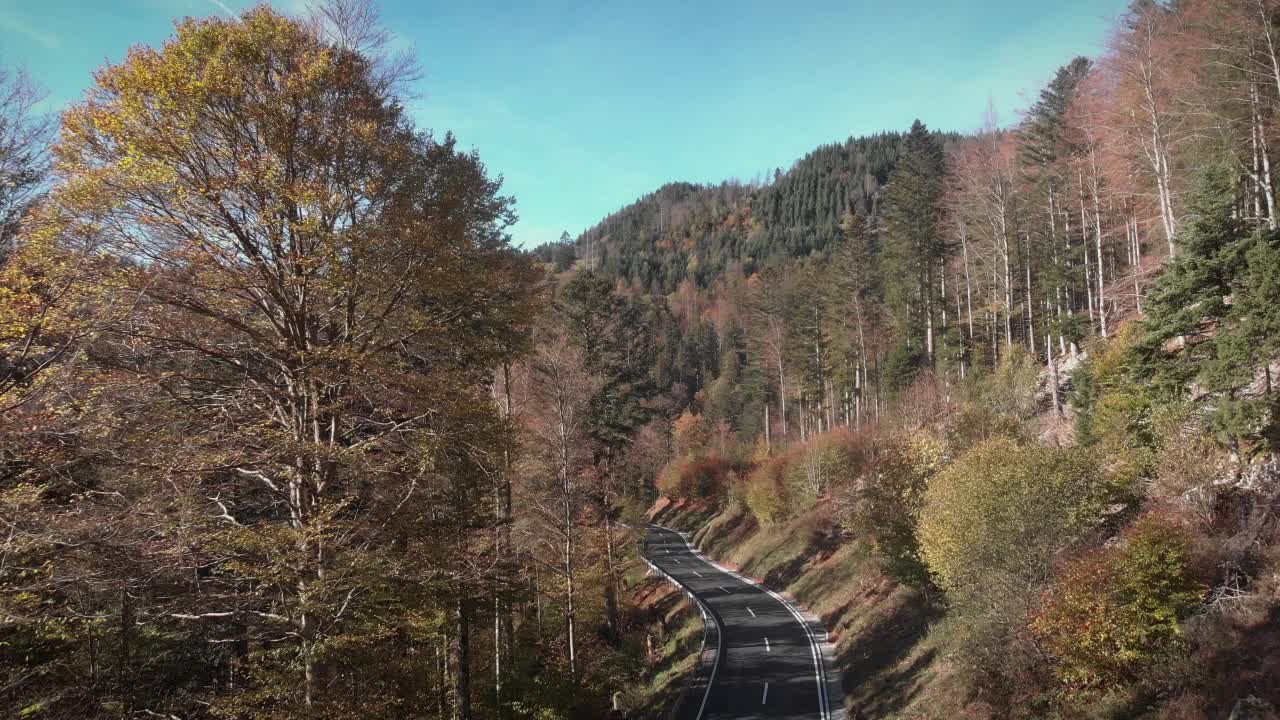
(585, 106)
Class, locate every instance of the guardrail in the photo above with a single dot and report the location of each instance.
(709, 629)
(817, 647)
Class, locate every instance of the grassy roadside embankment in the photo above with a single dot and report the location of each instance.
(890, 663)
(672, 632)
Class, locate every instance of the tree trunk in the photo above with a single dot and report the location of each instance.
(768, 435)
(782, 395)
(1053, 379)
(1132, 225)
(968, 283)
(126, 649)
(613, 627)
(503, 624)
(570, 589)
(1097, 239)
(928, 312)
(1084, 235)
(1008, 281)
(461, 661)
(1031, 319)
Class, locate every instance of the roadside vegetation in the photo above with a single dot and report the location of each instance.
(290, 429)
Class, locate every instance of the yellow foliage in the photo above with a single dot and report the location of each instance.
(993, 520)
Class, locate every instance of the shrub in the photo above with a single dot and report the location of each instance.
(1010, 389)
(992, 521)
(1188, 462)
(689, 433)
(1116, 612)
(695, 476)
(921, 402)
(811, 469)
(1121, 414)
(766, 493)
(888, 502)
(974, 424)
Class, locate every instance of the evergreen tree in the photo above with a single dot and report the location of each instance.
(914, 248)
(1191, 295)
(1042, 136)
(618, 349)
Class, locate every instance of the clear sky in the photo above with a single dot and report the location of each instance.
(585, 106)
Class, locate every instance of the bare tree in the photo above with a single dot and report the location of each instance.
(560, 392)
(25, 134)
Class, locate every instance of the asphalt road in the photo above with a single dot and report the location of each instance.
(768, 657)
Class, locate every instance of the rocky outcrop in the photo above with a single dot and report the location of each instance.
(1253, 708)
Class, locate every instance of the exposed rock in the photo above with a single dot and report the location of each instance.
(1260, 477)
(1067, 367)
(1253, 708)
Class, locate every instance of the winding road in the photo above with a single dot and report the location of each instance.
(763, 658)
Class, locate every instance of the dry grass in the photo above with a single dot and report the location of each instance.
(892, 667)
(672, 633)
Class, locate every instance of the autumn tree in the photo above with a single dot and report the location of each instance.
(1144, 60)
(559, 424)
(993, 520)
(24, 143)
(614, 340)
(314, 283)
(1117, 612)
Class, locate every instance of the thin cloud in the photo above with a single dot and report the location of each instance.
(223, 6)
(13, 24)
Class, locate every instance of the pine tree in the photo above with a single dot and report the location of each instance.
(617, 347)
(1191, 295)
(913, 243)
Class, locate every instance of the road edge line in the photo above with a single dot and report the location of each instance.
(815, 649)
(706, 612)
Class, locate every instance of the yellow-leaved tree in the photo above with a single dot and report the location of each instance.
(307, 295)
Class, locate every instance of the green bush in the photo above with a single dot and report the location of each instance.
(1010, 389)
(975, 423)
(1115, 409)
(992, 521)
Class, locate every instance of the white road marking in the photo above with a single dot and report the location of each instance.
(726, 592)
(819, 677)
(695, 572)
(766, 645)
(753, 612)
(765, 698)
(702, 610)
(677, 561)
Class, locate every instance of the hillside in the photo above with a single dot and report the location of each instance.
(683, 231)
(289, 429)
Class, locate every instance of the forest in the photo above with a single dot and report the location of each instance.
(290, 428)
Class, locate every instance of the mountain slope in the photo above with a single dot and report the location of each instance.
(683, 231)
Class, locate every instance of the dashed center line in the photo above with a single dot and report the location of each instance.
(766, 645)
(753, 612)
(695, 572)
(765, 698)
